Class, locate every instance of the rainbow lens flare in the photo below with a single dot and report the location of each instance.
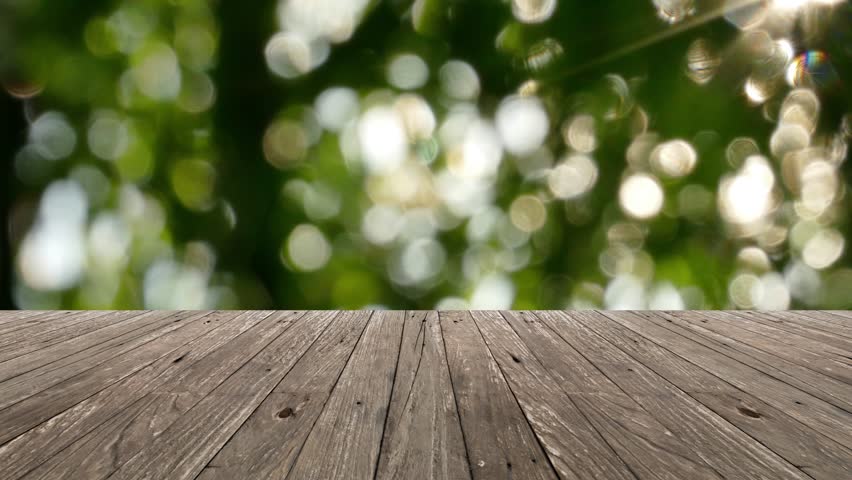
(811, 69)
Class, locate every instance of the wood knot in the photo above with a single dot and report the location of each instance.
(748, 412)
(287, 412)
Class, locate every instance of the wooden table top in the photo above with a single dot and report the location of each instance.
(424, 394)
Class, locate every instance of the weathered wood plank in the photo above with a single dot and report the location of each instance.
(266, 445)
(636, 365)
(39, 375)
(10, 319)
(576, 448)
(828, 322)
(239, 394)
(40, 341)
(811, 452)
(63, 353)
(33, 410)
(422, 415)
(821, 416)
(499, 440)
(97, 435)
(9, 316)
(642, 442)
(821, 377)
(354, 417)
(32, 323)
(844, 317)
(756, 321)
(56, 326)
(810, 325)
(183, 449)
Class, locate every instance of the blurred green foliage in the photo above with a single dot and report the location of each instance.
(430, 153)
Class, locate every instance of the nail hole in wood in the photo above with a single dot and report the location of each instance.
(178, 359)
(629, 369)
(516, 359)
(748, 412)
(286, 413)
(509, 465)
(358, 402)
(799, 403)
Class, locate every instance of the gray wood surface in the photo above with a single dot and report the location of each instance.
(815, 327)
(422, 415)
(500, 442)
(637, 366)
(646, 445)
(576, 449)
(57, 366)
(828, 322)
(449, 395)
(755, 394)
(183, 449)
(766, 324)
(91, 439)
(354, 417)
(822, 377)
(92, 322)
(267, 444)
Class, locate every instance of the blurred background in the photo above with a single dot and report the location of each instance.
(658, 154)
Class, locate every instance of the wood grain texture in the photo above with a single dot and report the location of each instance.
(8, 317)
(843, 317)
(90, 439)
(27, 323)
(576, 449)
(452, 395)
(346, 438)
(642, 442)
(830, 420)
(823, 453)
(815, 327)
(52, 371)
(267, 444)
(183, 449)
(822, 377)
(834, 346)
(828, 322)
(422, 415)
(40, 341)
(19, 417)
(66, 326)
(500, 442)
(636, 365)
